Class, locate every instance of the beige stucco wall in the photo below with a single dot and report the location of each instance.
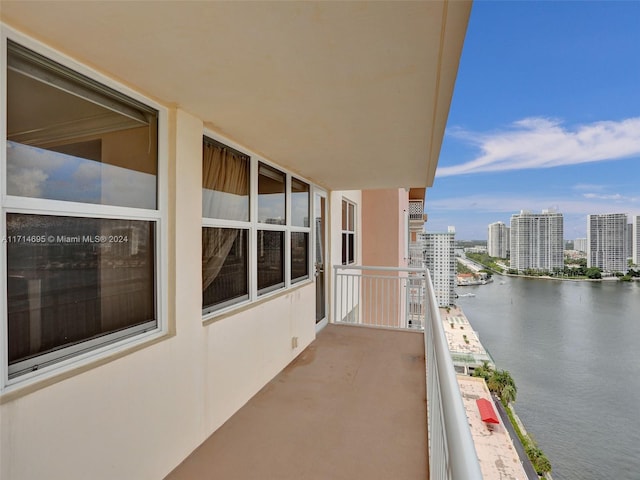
(138, 416)
(384, 226)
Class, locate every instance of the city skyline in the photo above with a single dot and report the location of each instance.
(545, 114)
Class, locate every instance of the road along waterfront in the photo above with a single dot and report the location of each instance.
(573, 349)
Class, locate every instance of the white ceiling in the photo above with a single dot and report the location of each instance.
(351, 95)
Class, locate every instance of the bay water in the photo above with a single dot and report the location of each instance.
(573, 349)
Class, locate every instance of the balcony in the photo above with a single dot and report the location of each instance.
(359, 402)
(416, 213)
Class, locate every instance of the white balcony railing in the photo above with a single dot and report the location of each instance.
(404, 298)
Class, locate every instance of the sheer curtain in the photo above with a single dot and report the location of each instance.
(225, 183)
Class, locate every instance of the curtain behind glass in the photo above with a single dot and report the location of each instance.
(225, 183)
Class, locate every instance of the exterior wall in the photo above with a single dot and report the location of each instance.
(537, 241)
(385, 227)
(497, 240)
(580, 244)
(606, 242)
(139, 415)
(335, 244)
(439, 255)
(636, 240)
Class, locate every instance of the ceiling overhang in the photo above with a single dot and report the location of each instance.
(351, 95)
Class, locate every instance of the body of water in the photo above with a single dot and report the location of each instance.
(573, 349)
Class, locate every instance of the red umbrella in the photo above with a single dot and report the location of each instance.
(487, 413)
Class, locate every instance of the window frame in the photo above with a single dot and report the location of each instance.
(300, 229)
(348, 232)
(208, 222)
(89, 351)
(253, 225)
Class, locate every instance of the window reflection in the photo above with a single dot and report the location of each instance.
(299, 255)
(69, 140)
(74, 279)
(299, 203)
(225, 182)
(225, 253)
(271, 195)
(270, 255)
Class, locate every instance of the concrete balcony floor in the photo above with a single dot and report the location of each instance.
(351, 406)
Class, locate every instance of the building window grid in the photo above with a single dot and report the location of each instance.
(255, 239)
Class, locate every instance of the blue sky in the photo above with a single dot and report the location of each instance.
(545, 114)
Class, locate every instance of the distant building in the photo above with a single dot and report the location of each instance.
(497, 240)
(439, 258)
(537, 241)
(607, 242)
(629, 240)
(580, 244)
(636, 240)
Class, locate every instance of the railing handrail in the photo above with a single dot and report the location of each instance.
(463, 460)
(382, 269)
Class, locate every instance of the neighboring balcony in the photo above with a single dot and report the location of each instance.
(417, 217)
(360, 402)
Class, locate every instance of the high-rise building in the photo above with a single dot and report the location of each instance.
(636, 240)
(537, 241)
(607, 242)
(580, 244)
(439, 258)
(497, 240)
(629, 240)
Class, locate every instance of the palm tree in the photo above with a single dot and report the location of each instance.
(508, 394)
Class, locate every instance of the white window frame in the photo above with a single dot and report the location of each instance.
(349, 231)
(298, 228)
(253, 225)
(235, 224)
(89, 351)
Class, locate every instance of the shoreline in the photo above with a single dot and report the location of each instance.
(529, 470)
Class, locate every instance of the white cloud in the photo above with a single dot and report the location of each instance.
(26, 182)
(546, 143)
(508, 204)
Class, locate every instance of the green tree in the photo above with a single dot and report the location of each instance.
(508, 394)
(593, 273)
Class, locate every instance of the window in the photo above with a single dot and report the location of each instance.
(225, 250)
(271, 211)
(271, 195)
(348, 232)
(255, 240)
(81, 213)
(299, 255)
(300, 201)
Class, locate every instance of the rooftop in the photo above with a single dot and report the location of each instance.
(351, 405)
(463, 341)
(498, 457)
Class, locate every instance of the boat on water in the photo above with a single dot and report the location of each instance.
(467, 295)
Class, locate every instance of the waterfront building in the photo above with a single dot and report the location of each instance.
(228, 213)
(439, 258)
(630, 240)
(636, 240)
(607, 242)
(497, 240)
(537, 241)
(580, 245)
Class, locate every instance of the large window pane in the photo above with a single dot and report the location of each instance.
(299, 255)
(225, 182)
(271, 195)
(224, 266)
(72, 279)
(270, 256)
(69, 138)
(299, 203)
